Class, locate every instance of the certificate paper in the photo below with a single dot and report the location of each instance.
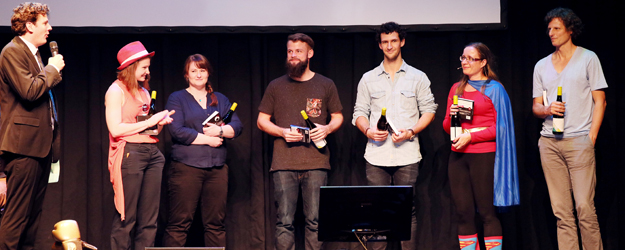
(55, 172)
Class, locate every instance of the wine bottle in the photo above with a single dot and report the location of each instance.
(146, 113)
(558, 120)
(152, 110)
(228, 117)
(455, 129)
(382, 123)
(319, 143)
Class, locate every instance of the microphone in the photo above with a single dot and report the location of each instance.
(457, 68)
(54, 48)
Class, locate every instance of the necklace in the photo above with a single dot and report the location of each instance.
(195, 95)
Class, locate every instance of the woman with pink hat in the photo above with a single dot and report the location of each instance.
(135, 163)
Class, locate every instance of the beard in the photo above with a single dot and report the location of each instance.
(296, 70)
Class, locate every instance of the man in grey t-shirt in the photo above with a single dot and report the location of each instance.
(297, 164)
(568, 159)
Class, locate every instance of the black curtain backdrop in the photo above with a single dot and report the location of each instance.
(246, 62)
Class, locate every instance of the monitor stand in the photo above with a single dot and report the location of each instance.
(364, 235)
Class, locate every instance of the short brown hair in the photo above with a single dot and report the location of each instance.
(388, 28)
(301, 37)
(127, 76)
(24, 13)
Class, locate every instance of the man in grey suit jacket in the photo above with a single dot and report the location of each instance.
(28, 129)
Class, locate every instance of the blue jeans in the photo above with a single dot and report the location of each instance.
(400, 175)
(287, 185)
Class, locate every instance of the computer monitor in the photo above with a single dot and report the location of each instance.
(379, 213)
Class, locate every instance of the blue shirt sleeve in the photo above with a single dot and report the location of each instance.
(224, 106)
(180, 133)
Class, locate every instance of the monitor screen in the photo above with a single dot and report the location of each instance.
(379, 213)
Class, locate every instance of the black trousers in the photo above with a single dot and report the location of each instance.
(471, 178)
(190, 187)
(27, 179)
(142, 170)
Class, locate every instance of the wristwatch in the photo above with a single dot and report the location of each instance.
(221, 132)
(413, 133)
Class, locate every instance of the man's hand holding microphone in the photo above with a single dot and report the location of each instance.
(57, 59)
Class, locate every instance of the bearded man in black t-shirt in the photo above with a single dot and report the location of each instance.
(298, 164)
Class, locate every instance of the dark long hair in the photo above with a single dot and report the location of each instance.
(202, 63)
(487, 70)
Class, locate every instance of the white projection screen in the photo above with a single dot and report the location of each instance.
(266, 13)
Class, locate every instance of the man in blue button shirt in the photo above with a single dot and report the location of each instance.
(393, 159)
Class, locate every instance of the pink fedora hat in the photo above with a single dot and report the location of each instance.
(130, 53)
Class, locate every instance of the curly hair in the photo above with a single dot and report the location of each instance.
(571, 21)
(24, 13)
(388, 28)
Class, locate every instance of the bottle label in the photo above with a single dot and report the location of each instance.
(455, 132)
(320, 143)
(558, 125)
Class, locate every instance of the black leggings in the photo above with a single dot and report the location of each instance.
(471, 178)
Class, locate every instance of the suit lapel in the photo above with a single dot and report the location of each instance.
(33, 62)
(35, 69)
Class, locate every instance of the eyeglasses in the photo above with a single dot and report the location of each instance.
(469, 59)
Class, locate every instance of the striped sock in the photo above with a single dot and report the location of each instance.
(493, 242)
(468, 242)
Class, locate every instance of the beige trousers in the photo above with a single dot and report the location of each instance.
(569, 168)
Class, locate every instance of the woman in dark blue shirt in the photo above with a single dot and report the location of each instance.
(198, 174)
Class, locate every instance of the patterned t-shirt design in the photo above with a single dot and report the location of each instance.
(313, 107)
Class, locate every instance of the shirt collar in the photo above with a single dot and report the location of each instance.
(380, 69)
(31, 47)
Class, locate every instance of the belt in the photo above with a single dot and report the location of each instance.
(471, 130)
